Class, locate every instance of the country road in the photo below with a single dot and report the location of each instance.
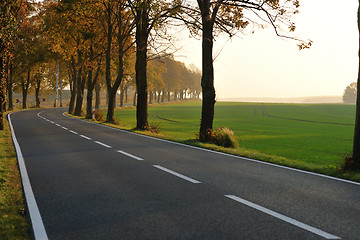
(95, 182)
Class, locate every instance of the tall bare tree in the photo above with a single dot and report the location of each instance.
(148, 14)
(119, 26)
(356, 145)
(212, 17)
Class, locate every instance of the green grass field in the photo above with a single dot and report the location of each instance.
(314, 137)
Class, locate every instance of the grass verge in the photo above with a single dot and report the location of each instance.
(13, 221)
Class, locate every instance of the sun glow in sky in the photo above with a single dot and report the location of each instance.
(264, 65)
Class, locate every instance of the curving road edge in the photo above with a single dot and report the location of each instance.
(37, 224)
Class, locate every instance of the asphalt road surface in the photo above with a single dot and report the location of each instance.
(94, 182)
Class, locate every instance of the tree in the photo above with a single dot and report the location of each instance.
(141, 9)
(8, 11)
(355, 163)
(31, 51)
(129, 76)
(10, 82)
(64, 39)
(195, 81)
(118, 25)
(94, 53)
(155, 71)
(173, 76)
(149, 15)
(228, 16)
(350, 92)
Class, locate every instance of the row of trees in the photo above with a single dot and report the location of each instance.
(41, 40)
(9, 16)
(112, 38)
(117, 38)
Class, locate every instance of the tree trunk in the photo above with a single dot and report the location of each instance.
(61, 93)
(141, 84)
(158, 97)
(10, 87)
(126, 94)
(356, 144)
(142, 20)
(111, 106)
(89, 95)
(2, 92)
(163, 95)
(57, 84)
(112, 89)
(6, 81)
(135, 95)
(25, 88)
(73, 87)
(90, 86)
(37, 92)
(97, 96)
(80, 92)
(24, 98)
(122, 89)
(207, 80)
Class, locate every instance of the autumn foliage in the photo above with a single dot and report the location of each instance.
(118, 44)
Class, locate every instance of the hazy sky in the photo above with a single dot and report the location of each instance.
(264, 65)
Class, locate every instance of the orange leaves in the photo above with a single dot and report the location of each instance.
(305, 45)
(232, 16)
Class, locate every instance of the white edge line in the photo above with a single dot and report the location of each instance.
(39, 114)
(64, 128)
(226, 154)
(103, 144)
(284, 218)
(73, 132)
(130, 155)
(85, 137)
(176, 174)
(35, 217)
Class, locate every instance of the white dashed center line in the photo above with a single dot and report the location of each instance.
(103, 144)
(85, 137)
(176, 174)
(130, 155)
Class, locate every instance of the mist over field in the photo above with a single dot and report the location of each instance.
(315, 99)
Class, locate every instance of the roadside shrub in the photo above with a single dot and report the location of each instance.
(221, 136)
(349, 164)
(98, 115)
(225, 137)
(153, 128)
